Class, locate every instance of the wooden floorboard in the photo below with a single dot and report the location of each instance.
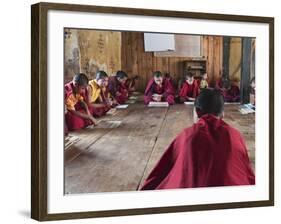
(116, 162)
(119, 159)
(178, 117)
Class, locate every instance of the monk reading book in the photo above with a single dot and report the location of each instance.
(159, 89)
(189, 89)
(78, 115)
(209, 153)
(117, 87)
(96, 94)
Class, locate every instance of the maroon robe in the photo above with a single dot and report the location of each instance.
(130, 83)
(72, 121)
(188, 91)
(167, 90)
(115, 86)
(230, 95)
(210, 153)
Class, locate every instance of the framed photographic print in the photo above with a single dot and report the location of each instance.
(138, 111)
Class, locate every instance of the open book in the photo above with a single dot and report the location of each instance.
(158, 104)
(122, 106)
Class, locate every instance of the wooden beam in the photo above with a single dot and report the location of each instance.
(246, 69)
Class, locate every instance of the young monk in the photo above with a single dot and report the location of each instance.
(78, 115)
(190, 89)
(209, 153)
(110, 100)
(159, 89)
(231, 93)
(203, 83)
(130, 83)
(96, 97)
(117, 87)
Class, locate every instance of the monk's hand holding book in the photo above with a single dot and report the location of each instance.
(157, 97)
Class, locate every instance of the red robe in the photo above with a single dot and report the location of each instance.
(188, 90)
(210, 153)
(72, 121)
(115, 86)
(167, 90)
(230, 95)
(130, 83)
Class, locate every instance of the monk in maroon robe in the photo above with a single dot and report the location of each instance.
(230, 92)
(189, 89)
(159, 89)
(117, 87)
(131, 83)
(209, 153)
(77, 115)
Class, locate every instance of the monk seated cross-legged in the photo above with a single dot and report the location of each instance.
(96, 95)
(230, 92)
(159, 89)
(207, 154)
(189, 89)
(77, 115)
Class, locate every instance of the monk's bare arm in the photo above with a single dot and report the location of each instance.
(85, 106)
(97, 105)
(84, 116)
(89, 90)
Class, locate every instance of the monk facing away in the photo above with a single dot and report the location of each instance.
(159, 89)
(207, 154)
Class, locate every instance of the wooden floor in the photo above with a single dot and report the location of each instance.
(112, 159)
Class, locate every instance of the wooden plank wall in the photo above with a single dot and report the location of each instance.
(135, 61)
(213, 52)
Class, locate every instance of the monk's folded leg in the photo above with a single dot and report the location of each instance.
(74, 122)
(100, 111)
(147, 99)
(170, 99)
(121, 99)
(182, 99)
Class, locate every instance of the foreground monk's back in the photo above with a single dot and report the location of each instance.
(210, 153)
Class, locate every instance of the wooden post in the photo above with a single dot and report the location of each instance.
(226, 52)
(246, 69)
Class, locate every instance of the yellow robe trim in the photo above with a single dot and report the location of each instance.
(72, 100)
(203, 84)
(96, 91)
